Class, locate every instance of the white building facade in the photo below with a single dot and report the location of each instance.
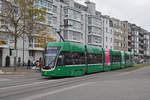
(107, 32)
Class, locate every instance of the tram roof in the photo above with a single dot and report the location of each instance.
(94, 49)
(68, 46)
(115, 52)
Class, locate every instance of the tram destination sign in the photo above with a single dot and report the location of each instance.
(53, 48)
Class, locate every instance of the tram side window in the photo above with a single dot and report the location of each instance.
(100, 58)
(67, 58)
(78, 58)
(116, 59)
(131, 59)
(60, 60)
(127, 59)
(74, 58)
(94, 58)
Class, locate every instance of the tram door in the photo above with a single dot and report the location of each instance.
(0, 57)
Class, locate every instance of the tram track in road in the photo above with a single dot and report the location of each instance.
(27, 89)
(13, 82)
(19, 80)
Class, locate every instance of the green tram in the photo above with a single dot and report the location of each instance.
(64, 59)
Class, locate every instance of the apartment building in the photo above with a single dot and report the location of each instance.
(147, 46)
(120, 34)
(82, 23)
(138, 42)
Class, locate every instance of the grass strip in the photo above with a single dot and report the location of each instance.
(137, 66)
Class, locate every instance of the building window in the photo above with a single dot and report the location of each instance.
(31, 53)
(54, 20)
(66, 35)
(10, 52)
(49, 18)
(54, 32)
(75, 36)
(49, 6)
(106, 29)
(97, 39)
(54, 9)
(89, 20)
(106, 22)
(90, 29)
(72, 14)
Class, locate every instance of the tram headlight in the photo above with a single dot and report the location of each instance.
(52, 67)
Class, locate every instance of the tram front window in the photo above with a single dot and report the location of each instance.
(50, 57)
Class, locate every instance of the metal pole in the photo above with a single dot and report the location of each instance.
(60, 23)
(23, 49)
(85, 30)
(61, 37)
(23, 35)
(85, 44)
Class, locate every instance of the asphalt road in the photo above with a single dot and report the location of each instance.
(114, 85)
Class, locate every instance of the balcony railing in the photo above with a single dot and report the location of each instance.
(141, 34)
(35, 46)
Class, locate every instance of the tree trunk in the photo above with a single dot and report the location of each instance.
(15, 58)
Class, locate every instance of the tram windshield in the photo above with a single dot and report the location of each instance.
(50, 56)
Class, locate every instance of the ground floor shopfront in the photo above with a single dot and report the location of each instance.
(3, 53)
(28, 55)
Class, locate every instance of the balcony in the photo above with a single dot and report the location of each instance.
(141, 39)
(129, 34)
(141, 43)
(129, 40)
(4, 46)
(141, 34)
(36, 47)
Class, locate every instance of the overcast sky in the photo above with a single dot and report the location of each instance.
(135, 11)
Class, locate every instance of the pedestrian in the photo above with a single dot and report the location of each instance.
(7, 61)
(19, 61)
(28, 64)
(40, 63)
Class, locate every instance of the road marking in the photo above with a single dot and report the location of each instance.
(1, 79)
(54, 92)
(35, 83)
(123, 73)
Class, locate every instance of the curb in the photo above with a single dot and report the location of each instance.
(1, 72)
(13, 73)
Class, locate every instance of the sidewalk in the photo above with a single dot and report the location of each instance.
(22, 70)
